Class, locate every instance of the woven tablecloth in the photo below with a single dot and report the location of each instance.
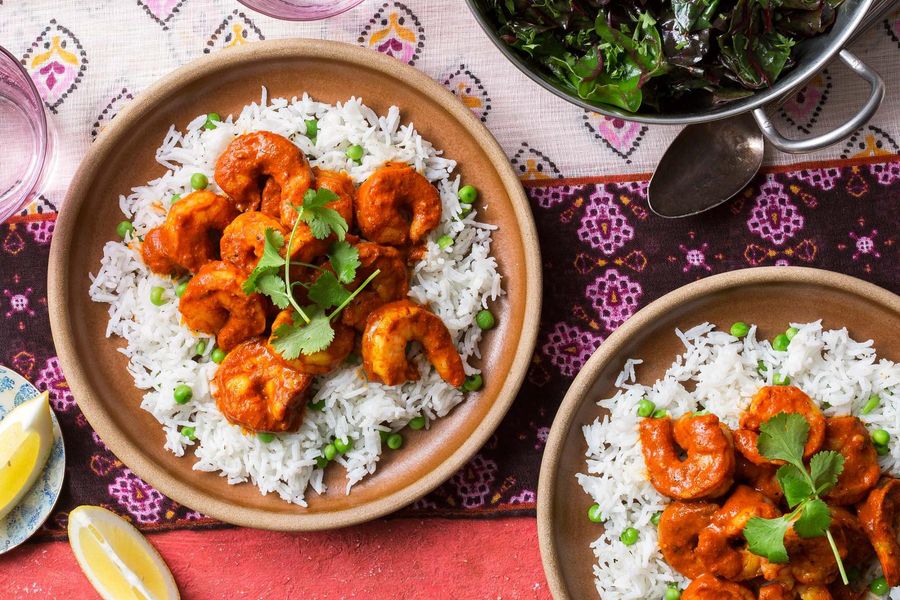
(604, 254)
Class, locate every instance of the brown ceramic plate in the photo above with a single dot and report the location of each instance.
(123, 156)
(770, 297)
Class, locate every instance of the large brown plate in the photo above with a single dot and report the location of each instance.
(770, 297)
(123, 157)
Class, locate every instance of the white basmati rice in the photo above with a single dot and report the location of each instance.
(723, 373)
(455, 282)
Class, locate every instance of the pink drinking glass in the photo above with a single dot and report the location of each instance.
(26, 136)
(300, 10)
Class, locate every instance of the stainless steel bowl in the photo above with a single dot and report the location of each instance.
(812, 56)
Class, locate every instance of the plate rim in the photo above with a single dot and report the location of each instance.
(63, 331)
(608, 350)
(57, 434)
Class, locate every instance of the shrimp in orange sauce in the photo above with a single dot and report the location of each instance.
(324, 361)
(392, 282)
(391, 327)
(710, 587)
(255, 389)
(305, 247)
(880, 518)
(243, 169)
(707, 471)
(188, 237)
(679, 530)
(214, 302)
(397, 206)
(850, 437)
(244, 239)
(768, 402)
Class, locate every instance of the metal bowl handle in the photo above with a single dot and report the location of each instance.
(837, 134)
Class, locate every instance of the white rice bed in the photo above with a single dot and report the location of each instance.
(722, 370)
(455, 282)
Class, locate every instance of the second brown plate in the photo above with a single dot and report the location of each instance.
(123, 157)
(770, 297)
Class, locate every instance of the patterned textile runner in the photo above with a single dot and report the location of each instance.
(604, 257)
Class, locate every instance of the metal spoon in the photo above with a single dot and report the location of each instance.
(708, 163)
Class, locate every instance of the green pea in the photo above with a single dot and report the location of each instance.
(630, 536)
(444, 242)
(781, 342)
(879, 586)
(312, 128)
(384, 436)
(880, 437)
(329, 451)
(199, 181)
(655, 518)
(791, 332)
(645, 408)
(871, 404)
(672, 592)
(660, 413)
(343, 445)
(217, 355)
(468, 194)
(394, 441)
(779, 379)
(882, 450)
(183, 393)
(594, 514)
(200, 348)
(189, 432)
(319, 405)
(180, 288)
(485, 319)
(211, 120)
(473, 383)
(157, 295)
(740, 329)
(175, 198)
(701, 413)
(355, 152)
(321, 463)
(124, 228)
(761, 367)
(464, 211)
(265, 437)
(417, 423)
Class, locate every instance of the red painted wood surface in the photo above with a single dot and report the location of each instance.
(387, 559)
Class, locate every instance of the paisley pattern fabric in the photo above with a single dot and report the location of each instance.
(604, 257)
(604, 254)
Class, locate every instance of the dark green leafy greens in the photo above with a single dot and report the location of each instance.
(662, 55)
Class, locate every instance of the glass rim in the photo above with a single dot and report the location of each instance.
(325, 14)
(37, 171)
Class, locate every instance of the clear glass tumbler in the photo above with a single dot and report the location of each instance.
(25, 135)
(300, 10)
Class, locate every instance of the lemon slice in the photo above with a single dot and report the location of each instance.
(26, 438)
(119, 562)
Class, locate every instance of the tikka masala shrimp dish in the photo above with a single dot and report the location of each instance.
(294, 269)
(726, 487)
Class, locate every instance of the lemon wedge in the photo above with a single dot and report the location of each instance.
(26, 438)
(119, 562)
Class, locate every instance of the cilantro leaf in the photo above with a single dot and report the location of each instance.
(765, 537)
(782, 438)
(795, 485)
(271, 285)
(327, 291)
(815, 517)
(292, 340)
(269, 262)
(344, 259)
(321, 219)
(825, 467)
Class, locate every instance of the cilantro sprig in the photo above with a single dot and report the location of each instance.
(310, 330)
(783, 437)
